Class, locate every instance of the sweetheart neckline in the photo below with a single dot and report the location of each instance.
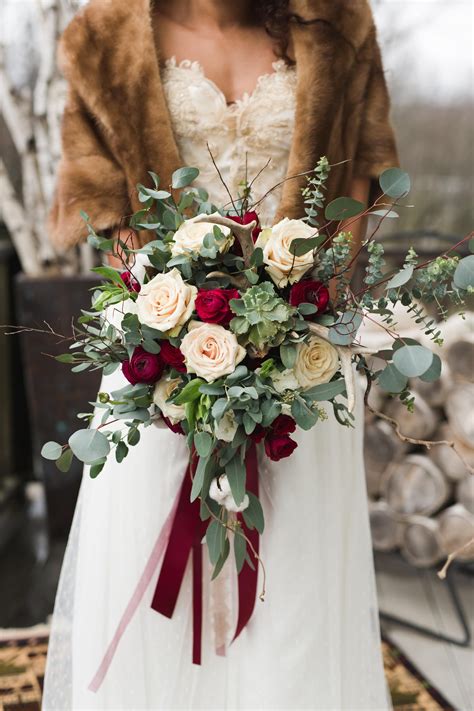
(279, 66)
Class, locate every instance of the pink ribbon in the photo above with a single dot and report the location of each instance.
(147, 575)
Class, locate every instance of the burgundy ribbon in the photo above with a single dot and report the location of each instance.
(186, 535)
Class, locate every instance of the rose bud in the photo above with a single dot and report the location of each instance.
(310, 292)
(283, 425)
(247, 218)
(279, 446)
(130, 282)
(212, 306)
(143, 367)
(172, 356)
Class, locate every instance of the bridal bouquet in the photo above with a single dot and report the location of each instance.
(231, 333)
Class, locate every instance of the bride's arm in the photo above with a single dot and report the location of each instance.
(127, 235)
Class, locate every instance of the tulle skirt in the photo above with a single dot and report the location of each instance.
(314, 643)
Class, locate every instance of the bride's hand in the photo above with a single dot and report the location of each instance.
(128, 236)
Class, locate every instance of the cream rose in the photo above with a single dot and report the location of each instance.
(164, 390)
(283, 266)
(189, 237)
(166, 301)
(210, 351)
(316, 362)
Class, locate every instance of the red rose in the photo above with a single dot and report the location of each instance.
(177, 429)
(245, 220)
(283, 425)
(172, 356)
(130, 282)
(212, 305)
(310, 292)
(143, 367)
(279, 446)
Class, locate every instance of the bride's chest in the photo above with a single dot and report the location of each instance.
(261, 119)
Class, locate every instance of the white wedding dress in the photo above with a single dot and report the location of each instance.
(314, 642)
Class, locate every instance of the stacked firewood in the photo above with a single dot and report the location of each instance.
(421, 500)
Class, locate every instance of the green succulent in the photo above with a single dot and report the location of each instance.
(262, 318)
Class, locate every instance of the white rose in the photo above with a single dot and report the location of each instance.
(227, 427)
(211, 351)
(286, 380)
(164, 389)
(166, 301)
(189, 237)
(283, 266)
(316, 362)
(220, 491)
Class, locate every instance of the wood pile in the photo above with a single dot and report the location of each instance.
(421, 501)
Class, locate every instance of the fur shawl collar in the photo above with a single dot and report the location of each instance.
(117, 116)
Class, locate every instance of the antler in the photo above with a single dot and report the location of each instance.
(345, 354)
(242, 232)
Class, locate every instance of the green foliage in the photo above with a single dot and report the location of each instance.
(313, 193)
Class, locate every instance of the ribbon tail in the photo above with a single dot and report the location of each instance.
(132, 605)
(248, 577)
(197, 602)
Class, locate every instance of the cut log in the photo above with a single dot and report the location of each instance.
(385, 528)
(446, 458)
(421, 542)
(382, 448)
(415, 486)
(460, 360)
(419, 424)
(460, 412)
(456, 526)
(465, 493)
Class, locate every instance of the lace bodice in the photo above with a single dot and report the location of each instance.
(243, 136)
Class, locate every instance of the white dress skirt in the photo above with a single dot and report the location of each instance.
(314, 642)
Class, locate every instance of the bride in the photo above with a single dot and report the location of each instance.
(269, 86)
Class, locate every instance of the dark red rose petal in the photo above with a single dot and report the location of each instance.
(279, 446)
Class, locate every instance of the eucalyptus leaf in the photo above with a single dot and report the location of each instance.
(236, 475)
(464, 274)
(89, 445)
(288, 353)
(198, 480)
(222, 559)
(403, 276)
(326, 391)
(391, 380)
(343, 332)
(240, 549)
(183, 177)
(215, 539)
(434, 371)
(203, 443)
(395, 183)
(65, 460)
(412, 361)
(343, 208)
(304, 416)
(253, 514)
(51, 451)
(301, 245)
